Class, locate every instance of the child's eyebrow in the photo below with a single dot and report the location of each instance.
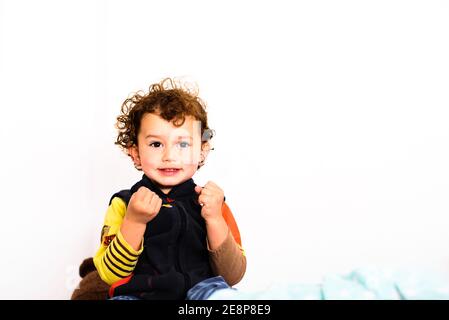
(185, 137)
(159, 137)
(152, 135)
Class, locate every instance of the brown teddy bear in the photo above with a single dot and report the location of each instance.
(91, 287)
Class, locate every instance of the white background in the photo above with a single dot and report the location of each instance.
(331, 119)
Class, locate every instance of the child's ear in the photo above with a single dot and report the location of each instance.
(205, 149)
(133, 152)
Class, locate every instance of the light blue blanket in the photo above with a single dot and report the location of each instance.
(361, 284)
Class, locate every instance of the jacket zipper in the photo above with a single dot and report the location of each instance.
(182, 231)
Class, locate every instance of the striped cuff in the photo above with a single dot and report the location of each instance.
(120, 258)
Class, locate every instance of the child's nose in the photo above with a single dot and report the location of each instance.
(169, 154)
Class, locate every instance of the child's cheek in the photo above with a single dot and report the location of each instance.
(191, 156)
(151, 161)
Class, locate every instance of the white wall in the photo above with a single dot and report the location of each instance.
(331, 120)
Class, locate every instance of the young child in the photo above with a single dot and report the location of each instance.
(166, 234)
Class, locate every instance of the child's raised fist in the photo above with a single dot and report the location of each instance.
(211, 198)
(143, 206)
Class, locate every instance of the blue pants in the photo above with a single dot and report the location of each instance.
(201, 291)
(204, 289)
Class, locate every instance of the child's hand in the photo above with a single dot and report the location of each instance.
(143, 206)
(211, 198)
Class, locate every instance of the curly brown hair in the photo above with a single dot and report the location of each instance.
(169, 99)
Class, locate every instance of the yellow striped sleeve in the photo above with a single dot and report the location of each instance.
(115, 259)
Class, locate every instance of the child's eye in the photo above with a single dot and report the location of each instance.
(155, 144)
(184, 144)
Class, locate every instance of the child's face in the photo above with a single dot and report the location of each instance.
(168, 155)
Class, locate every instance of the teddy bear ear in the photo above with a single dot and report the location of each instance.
(87, 266)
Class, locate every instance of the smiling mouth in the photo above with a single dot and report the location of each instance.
(169, 171)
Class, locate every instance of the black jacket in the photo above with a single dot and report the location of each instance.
(175, 255)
